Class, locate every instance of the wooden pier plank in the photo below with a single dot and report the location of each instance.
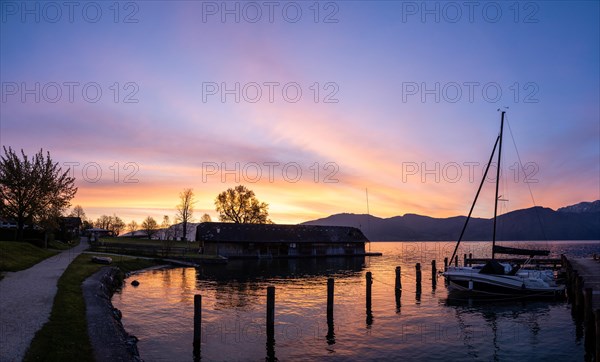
(589, 270)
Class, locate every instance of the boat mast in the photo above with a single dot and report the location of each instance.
(462, 232)
(497, 183)
(368, 217)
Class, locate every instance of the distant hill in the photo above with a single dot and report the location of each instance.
(582, 207)
(575, 222)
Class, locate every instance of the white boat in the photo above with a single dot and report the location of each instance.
(496, 277)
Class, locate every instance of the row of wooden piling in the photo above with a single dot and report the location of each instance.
(581, 299)
(270, 313)
(579, 296)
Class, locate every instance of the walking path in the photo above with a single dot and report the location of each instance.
(26, 299)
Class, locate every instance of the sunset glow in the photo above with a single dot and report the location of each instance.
(311, 113)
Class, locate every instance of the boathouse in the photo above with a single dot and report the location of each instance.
(279, 241)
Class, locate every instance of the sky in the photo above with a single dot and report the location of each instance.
(386, 107)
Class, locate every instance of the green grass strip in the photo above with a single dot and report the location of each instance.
(64, 337)
(17, 255)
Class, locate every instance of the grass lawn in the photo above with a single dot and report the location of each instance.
(17, 255)
(59, 245)
(149, 242)
(64, 337)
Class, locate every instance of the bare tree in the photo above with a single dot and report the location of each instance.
(132, 227)
(111, 223)
(33, 188)
(150, 226)
(167, 240)
(185, 210)
(78, 212)
(205, 218)
(117, 225)
(104, 222)
(166, 227)
(240, 205)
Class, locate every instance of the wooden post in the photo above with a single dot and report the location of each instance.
(329, 300)
(579, 294)
(573, 288)
(369, 311)
(398, 289)
(197, 324)
(470, 259)
(446, 264)
(330, 337)
(270, 313)
(433, 274)
(588, 321)
(418, 267)
(588, 312)
(464, 259)
(597, 315)
(369, 284)
(456, 260)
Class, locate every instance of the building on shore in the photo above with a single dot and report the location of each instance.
(279, 241)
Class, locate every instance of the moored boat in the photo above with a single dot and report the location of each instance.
(501, 278)
(496, 278)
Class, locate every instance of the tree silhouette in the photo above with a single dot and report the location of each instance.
(240, 205)
(112, 223)
(185, 210)
(33, 190)
(205, 218)
(132, 227)
(166, 227)
(150, 227)
(117, 225)
(78, 212)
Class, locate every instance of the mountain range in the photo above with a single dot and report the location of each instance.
(575, 222)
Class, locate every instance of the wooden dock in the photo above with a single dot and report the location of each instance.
(589, 270)
(583, 290)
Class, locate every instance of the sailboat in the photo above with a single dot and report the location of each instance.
(495, 277)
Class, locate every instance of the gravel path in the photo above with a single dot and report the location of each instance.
(26, 299)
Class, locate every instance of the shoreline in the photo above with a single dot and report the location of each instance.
(109, 339)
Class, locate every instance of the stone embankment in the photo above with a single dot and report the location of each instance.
(109, 339)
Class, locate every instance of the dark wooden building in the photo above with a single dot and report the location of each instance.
(69, 225)
(277, 241)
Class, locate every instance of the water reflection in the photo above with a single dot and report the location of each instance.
(239, 284)
(423, 326)
(369, 320)
(330, 337)
(248, 270)
(505, 320)
(398, 295)
(271, 349)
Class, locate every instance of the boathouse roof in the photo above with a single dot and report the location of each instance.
(260, 233)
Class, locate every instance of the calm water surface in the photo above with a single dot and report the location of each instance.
(421, 327)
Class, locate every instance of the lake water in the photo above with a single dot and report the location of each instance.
(423, 327)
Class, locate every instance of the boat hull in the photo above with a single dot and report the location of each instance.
(465, 281)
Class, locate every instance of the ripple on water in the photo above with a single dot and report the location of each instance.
(425, 327)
